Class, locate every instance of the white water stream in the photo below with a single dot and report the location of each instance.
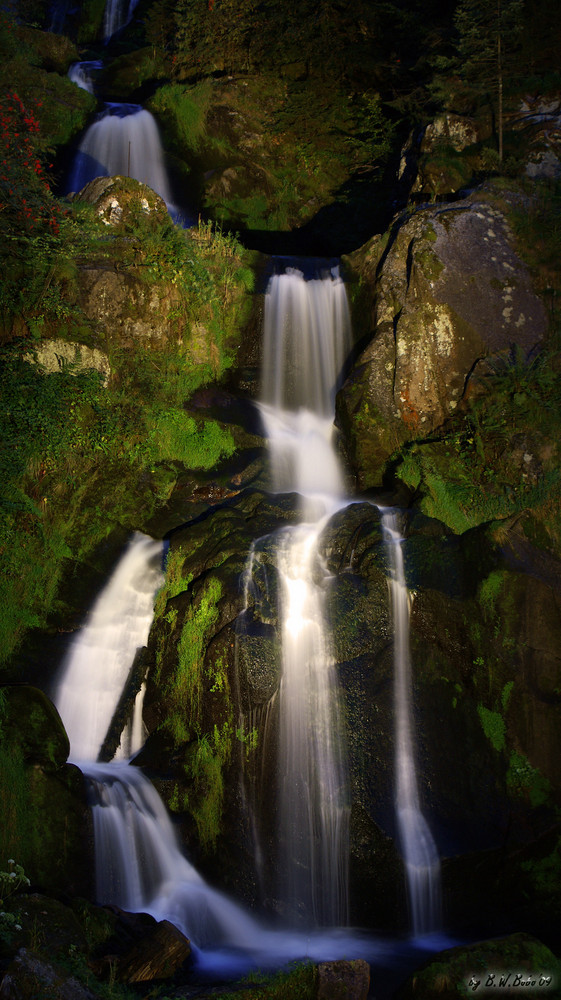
(306, 338)
(139, 865)
(422, 863)
(81, 73)
(118, 13)
(124, 141)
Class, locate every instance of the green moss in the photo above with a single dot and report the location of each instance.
(91, 20)
(206, 769)
(493, 726)
(506, 693)
(523, 780)
(489, 590)
(182, 111)
(184, 688)
(175, 436)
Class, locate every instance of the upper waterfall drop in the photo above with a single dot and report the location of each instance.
(306, 340)
(118, 13)
(123, 141)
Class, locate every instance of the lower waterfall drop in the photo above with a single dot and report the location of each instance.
(306, 338)
(422, 863)
(139, 865)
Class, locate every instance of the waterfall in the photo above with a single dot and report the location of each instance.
(125, 141)
(80, 73)
(118, 14)
(139, 865)
(98, 663)
(306, 330)
(422, 864)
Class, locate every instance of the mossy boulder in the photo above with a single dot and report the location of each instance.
(55, 52)
(449, 289)
(32, 722)
(517, 962)
(119, 201)
(46, 824)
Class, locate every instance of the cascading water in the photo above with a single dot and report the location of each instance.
(306, 335)
(118, 13)
(81, 73)
(139, 865)
(418, 848)
(98, 663)
(124, 140)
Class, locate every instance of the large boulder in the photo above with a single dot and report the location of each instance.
(46, 820)
(450, 289)
(517, 963)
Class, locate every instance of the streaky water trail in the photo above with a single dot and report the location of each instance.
(420, 855)
(306, 339)
(124, 141)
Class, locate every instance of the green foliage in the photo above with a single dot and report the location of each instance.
(493, 726)
(488, 35)
(523, 780)
(537, 227)
(297, 982)
(175, 583)
(182, 110)
(17, 815)
(91, 20)
(545, 876)
(11, 882)
(176, 437)
(489, 590)
(75, 450)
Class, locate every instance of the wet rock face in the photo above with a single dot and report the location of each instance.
(450, 290)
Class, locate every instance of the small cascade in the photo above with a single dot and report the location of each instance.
(123, 141)
(81, 73)
(139, 865)
(422, 863)
(118, 13)
(305, 342)
(97, 666)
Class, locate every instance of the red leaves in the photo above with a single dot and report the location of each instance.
(24, 191)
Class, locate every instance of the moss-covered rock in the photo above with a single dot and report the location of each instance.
(450, 289)
(518, 962)
(46, 820)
